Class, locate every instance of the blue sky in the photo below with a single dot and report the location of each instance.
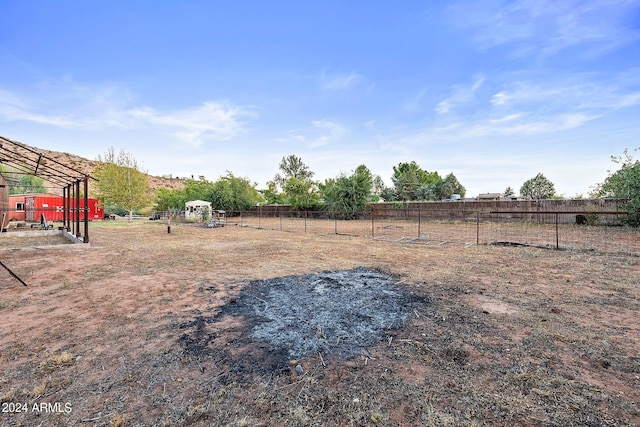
(493, 91)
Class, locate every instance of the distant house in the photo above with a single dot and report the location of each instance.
(489, 196)
(195, 209)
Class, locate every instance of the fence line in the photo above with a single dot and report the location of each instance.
(594, 230)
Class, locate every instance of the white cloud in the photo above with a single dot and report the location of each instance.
(67, 105)
(15, 113)
(545, 28)
(414, 104)
(209, 121)
(339, 81)
(461, 95)
(579, 92)
(322, 132)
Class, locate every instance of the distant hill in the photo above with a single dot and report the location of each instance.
(87, 167)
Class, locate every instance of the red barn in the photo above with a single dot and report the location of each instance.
(28, 207)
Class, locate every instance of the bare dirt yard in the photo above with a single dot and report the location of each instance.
(247, 327)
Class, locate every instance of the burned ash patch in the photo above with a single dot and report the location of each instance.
(338, 313)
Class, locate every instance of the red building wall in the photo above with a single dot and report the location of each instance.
(51, 206)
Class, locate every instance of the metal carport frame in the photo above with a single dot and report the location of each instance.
(74, 184)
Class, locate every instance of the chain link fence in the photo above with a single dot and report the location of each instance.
(603, 232)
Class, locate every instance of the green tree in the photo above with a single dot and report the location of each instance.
(29, 184)
(408, 179)
(448, 186)
(301, 193)
(121, 182)
(167, 199)
(347, 196)
(21, 183)
(234, 193)
(292, 166)
(508, 192)
(197, 189)
(272, 195)
(428, 192)
(377, 189)
(295, 180)
(624, 184)
(388, 194)
(538, 187)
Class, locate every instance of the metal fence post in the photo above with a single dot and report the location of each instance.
(305, 221)
(478, 228)
(419, 222)
(373, 233)
(280, 216)
(557, 238)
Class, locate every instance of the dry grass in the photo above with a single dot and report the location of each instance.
(38, 391)
(506, 336)
(61, 358)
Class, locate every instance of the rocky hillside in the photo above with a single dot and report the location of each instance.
(87, 166)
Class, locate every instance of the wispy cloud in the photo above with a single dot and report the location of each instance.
(460, 96)
(578, 92)
(415, 103)
(518, 125)
(321, 132)
(336, 81)
(545, 27)
(70, 106)
(543, 103)
(209, 121)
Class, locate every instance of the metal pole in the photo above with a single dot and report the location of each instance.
(72, 195)
(477, 228)
(373, 223)
(419, 222)
(280, 216)
(335, 224)
(557, 238)
(77, 222)
(14, 275)
(305, 221)
(64, 207)
(67, 209)
(86, 210)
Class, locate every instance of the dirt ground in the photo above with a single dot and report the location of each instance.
(130, 331)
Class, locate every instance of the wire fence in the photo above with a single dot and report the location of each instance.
(581, 231)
